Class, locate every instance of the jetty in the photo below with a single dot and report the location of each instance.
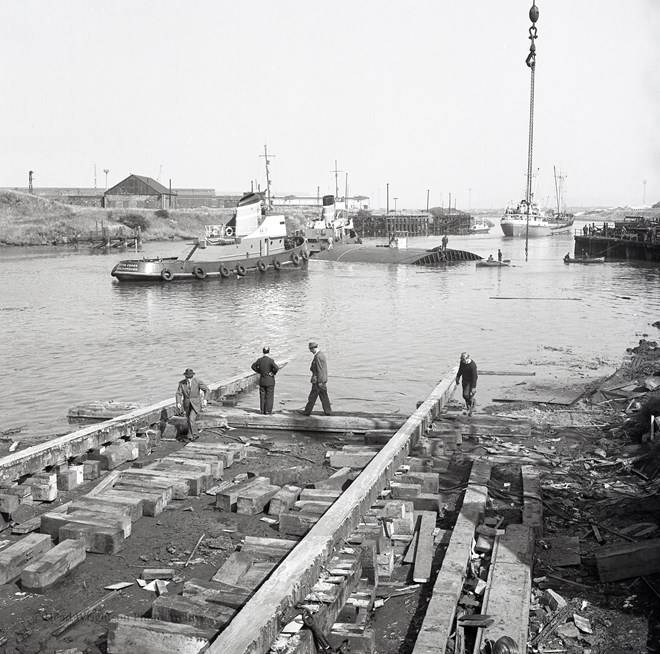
(316, 537)
(109, 239)
(632, 239)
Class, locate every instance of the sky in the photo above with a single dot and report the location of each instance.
(414, 101)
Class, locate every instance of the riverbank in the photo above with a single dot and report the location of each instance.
(29, 220)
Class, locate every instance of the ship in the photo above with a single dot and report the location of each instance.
(525, 220)
(253, 240)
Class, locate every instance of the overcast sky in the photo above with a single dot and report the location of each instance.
(426, 96)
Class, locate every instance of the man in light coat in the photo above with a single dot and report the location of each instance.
(319, 381)
(190, 397)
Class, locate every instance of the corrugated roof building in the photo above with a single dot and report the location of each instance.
(139, 192)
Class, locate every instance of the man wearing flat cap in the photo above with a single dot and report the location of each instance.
(267, 369)
(319, 381)
(190, 394)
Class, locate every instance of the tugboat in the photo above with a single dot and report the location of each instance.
(253, 240)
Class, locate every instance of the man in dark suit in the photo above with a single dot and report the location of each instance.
(190, 396)
(319, 381)
(467, 369)
(267, 369)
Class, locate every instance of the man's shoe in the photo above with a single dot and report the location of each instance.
(329, 413)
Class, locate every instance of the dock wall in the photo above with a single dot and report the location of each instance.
(617, 248)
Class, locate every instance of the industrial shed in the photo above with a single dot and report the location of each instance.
(138, 192)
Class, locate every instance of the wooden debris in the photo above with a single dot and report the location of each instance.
(201, 538)
(507, 596)
(150, 574)
(15, 557)
(127, 634)
(561, 551)
(628, 560)
(425, 549)
(271, 547)
(82, 614)
(52, 566)
(438, 621)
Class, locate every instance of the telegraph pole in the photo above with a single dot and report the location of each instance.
(106, 171)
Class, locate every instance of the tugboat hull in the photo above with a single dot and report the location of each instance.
(170, 269)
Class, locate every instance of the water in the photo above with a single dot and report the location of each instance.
(70, 333)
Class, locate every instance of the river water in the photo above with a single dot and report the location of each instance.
(70, 333)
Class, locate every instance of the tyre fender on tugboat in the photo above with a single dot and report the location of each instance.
(295, 258)
(276, 264)
(304, 254)
(167, 275)
(199, 272)
(261, 266)
(240, 269)
(224, 272)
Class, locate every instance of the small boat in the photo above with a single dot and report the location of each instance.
(492, 263)
(252, 240)
(568, 259)
(479, 226)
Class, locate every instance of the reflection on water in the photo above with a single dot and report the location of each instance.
(70, 333)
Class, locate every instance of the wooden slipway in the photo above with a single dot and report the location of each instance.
(256, 626)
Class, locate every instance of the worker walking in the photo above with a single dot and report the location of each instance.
(467, 369)
(319, 381)
(190, 398)
(267, 369)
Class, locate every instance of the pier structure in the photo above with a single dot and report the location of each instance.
(634, 239)
(108, 239)
(414, 223)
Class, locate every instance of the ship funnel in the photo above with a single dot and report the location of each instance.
(328, 210)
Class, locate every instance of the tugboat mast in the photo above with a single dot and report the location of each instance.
(531, 63)
(269, 202)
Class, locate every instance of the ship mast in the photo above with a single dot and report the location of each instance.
(531, 63)
(269, 202)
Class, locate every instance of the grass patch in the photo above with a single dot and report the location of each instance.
(32, 220)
